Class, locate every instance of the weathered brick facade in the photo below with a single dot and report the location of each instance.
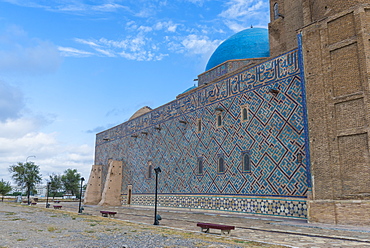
(336, 53)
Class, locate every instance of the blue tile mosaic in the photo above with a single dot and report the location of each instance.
(274, 135)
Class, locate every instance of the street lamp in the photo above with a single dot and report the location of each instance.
(156, 218)
(30, 157)
(47, 196)
(79, 205)
(28, 193)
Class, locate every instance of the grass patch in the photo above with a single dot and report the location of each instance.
(92, 220)
(93, 224)
(10, 213)
(52, 228)
(240, 241)
(53, 215)
(90, 231)
(15, 219)
(21, 239)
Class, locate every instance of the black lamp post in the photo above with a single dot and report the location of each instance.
(47, 196)
(156, 218)
(79, 205)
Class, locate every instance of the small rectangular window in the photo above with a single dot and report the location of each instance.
(150, 168)
(200, 165)
(219, 120)
(199, 125)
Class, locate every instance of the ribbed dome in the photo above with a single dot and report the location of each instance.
(247, 44)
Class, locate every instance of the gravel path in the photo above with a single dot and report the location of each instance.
(30, 226)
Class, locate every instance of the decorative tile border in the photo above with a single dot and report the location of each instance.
(271, 71)
(294, 208)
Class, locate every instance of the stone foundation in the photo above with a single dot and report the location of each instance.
(339, 212)
(282, 207)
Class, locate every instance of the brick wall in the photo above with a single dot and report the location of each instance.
(336, 61)
(295, 14)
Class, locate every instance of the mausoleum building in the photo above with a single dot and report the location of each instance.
(277, 125)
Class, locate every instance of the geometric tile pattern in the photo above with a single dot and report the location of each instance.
(274, 135)
(276, 207)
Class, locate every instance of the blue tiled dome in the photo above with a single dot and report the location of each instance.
(189, 89)
(249, 43)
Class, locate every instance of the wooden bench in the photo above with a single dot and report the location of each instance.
(225, 229)
(57, 207)
(33, 203)
(106, 213)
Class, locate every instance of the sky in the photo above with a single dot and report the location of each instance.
(72, 68)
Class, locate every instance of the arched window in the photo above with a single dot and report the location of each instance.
(221, 164)
(276, 11)
(246, 162)
(200, 166)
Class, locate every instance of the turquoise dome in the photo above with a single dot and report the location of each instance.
(189, 89)
(247, 44)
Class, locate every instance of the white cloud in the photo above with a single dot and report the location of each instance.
(11, 102)
(167, 26)
(145, 29)
(73, 52)
(106, 52)
(241, 8)
(235, 26)
(76, 7)
(51, 156)
(139, 47)
(172, 28)
(197, 2)
(241, 14)
(195, 44)
(86, 42)
(108, 7)
(20, 127)
(22, 137)
(142, 56)
(18, 52)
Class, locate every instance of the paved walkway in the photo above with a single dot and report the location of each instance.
(281, 231)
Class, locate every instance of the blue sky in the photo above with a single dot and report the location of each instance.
(72, 68)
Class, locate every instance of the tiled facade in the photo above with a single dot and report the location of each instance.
(273, 135)
(256, 118)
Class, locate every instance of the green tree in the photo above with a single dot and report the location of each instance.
(71, 181)
(5, 188)
(56, 184)
(26, 175)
